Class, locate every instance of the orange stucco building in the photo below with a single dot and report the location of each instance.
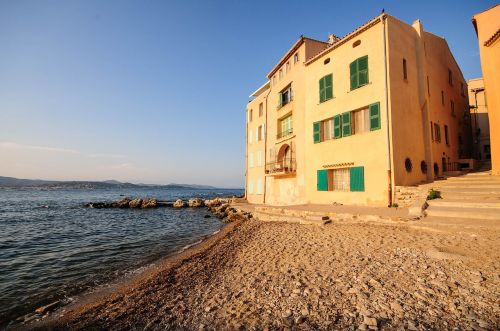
(350, 119)
(487, 25)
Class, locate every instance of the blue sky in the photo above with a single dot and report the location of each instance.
(155, 91)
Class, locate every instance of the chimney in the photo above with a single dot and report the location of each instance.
(332, 39)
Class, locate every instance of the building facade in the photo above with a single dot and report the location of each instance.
(479, 120)
(384, 106)
(487, 25)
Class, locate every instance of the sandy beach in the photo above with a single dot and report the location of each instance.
(428, 274)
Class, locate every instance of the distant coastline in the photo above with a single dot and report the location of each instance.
(20, 182)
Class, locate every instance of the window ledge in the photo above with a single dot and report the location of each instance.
(357, 88)
(282, 139)
(322, 102)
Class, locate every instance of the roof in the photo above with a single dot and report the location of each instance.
(261, 89)
(347, 37)
(474, 17)
(292, 50)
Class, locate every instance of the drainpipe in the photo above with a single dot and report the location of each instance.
(265, 143)
(389, 163)
(246, 154)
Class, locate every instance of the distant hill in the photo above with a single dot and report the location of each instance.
(18, 182)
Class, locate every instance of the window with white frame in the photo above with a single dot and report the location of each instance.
(341, 179)
(296, 58)
(259, 186)
(250, 160)
(361, 120)
(259, 158)
(250, 187)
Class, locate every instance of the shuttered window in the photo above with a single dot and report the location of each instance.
(375, 116)
(326, 88)
(337, 123)
(357, 179)
(322, 180)
(359, 72)
(346, 124)
(317, 132)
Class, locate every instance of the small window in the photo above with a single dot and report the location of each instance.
(296, 58)
(359, 72)
(250, 136)
(423, 167)
(356, 43)
(280, 74)
(361, 120)
(326, 88)
(274, 80)
(405, 73)
(437, 133)
(452, 107)
(285, 126)
(250, 115)
(261, 109)
(285, 96)
(432, 132)
(259, 133)
(250, 160)
(326, 61)
(428, 87)
(408, 165)
(436, 169)
(450, 77)
(287, 67)
(442, 98)
(446, 139)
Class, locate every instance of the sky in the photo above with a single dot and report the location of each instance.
(155, 91)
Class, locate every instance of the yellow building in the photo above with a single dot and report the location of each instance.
(350, 119)
(487, 25)
(479, 120)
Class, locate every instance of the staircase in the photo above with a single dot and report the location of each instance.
(277, 214)
(475, 195)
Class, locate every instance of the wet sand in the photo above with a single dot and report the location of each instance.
(430, 274)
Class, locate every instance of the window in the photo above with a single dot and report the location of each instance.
(250, 136)
(462, 89)
(446, 139)
(287, 67)
(326, 61)
(259, 133)
(442, 98)
(452, 107)
(325, 88)
(361, 119)
(450, 77)
(345, 179)
(250, 187)
(274, 80)
(259, 186)
(405, 73)
(250, 115)
(296, 58)
(285, 126)
(250, 160)
(280, 74)
(285, 96)
(348, 123)
(259, 158)
(437, 133)
(432, 132)
(359, 72)
(428, 87)
(261, 109)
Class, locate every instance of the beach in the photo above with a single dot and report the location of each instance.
(253, 275)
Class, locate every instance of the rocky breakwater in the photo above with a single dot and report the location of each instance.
(126, 203)
(220, 207)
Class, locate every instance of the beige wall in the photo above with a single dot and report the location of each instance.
(479, 119)
(367, 149)
(487, 24)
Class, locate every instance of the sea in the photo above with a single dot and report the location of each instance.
(53, 248)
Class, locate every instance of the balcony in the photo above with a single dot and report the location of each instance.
(284, 134)
(283, 167)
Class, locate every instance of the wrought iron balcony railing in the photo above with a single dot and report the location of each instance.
(284, 166)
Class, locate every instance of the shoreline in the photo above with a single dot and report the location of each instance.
(125, 283)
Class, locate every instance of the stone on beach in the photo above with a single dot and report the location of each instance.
(178, 204)
(195, 202)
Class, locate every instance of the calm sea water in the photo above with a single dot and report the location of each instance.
(52, 248)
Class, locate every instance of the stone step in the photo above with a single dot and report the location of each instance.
(489, 186)
(469, 190)
(458, 195)
(472, 203)
(272, 217)
(470, 213)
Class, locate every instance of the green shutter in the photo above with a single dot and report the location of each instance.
(322, 182)
(322, 89)
(337, 132)
(328, 87)
(363, 70)
(317, 132)
(279, 100)
(346, 124)
(353, 68)
(375, 116)
(357, 179)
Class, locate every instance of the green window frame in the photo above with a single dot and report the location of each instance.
(326, 88)
(359, 72)
(357, 179)
(317, 132)
(346, 124)
(337, 127)
(374, 116)
(322, 180)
